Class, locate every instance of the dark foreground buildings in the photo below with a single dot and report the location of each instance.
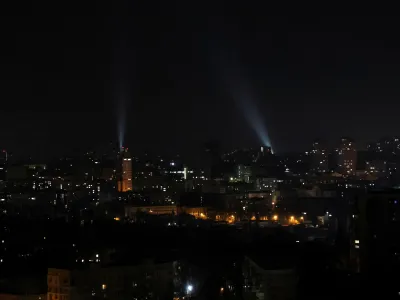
(376, 240)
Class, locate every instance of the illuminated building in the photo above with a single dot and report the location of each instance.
(259, 154)
(385, 147)
(262, 155)
(58, 284)
(197, 212)
(319, 157)
(346, 157)
(125, 181)
(266, 184)
(375, 167)
(243, 173)
(131, 211)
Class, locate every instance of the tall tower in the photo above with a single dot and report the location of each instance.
(125, 180)
(319, 157)
(347, 156)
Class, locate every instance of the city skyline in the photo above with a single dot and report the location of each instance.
(198, 150)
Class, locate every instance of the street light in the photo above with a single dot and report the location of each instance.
(189, 288)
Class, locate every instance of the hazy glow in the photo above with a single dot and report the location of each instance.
(254, 119)
(120, 136)
(121, 116)
(244, 98)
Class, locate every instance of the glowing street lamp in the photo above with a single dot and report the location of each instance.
(189, 289)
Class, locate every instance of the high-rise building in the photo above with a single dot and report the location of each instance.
(346, 157)
(125, 180)
(59, 284)
(243, 173)
(319, 157)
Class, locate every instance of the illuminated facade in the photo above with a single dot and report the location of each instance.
(319, 157)
(347, 157)
(243, 173)
(375, 167)
(385, 147)
(58, 284)
(125, 182)
(197, 212)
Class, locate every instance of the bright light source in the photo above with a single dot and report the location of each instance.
(189, 288)
(103, 286)
(357, 241)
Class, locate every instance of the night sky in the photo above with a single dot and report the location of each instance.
(182, 75)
